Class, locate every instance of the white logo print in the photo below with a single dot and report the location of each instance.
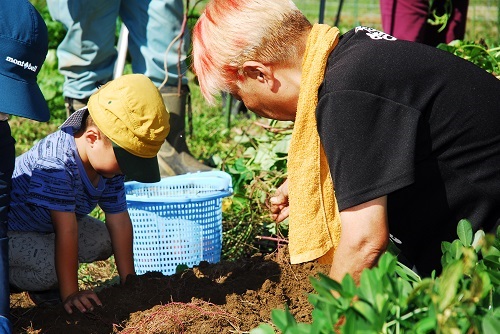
(395, 240)
(376, 34)
(24, 64)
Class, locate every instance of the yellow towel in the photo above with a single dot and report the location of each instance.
(314, 223)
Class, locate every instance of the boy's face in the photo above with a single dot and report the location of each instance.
(103, 160)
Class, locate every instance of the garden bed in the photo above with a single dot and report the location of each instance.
(228, 297)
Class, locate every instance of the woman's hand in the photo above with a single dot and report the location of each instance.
(279, 203)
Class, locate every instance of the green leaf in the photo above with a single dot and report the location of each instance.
(319, 325)
(485, 284)
(283, 319)
(387, 263)
(448, 283)
(324, 285)
(369, 286)
(492, 262)
(456, 249)
(445, 246)
(348, 287)
(366, 311)
(406, 273)
(464, 231)
(282, 145)
(323, 319)
(263, 329)
(426, 325)
(494, 277)
(490, 325)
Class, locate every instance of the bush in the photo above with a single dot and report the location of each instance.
(391, 298)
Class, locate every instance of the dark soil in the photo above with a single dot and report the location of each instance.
(228, 297)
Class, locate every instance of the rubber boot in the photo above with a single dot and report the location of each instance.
(73, 105)
(174, 157)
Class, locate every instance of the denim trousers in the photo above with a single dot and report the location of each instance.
(87, 54)
(7, 158)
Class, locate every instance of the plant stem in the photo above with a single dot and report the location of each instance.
(272, 239)
(404, 317)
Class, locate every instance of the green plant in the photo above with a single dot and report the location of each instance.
(439, 17)
(464, 298)
(260, 169)
(476, 52)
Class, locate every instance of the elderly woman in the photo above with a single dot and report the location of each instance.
(408, 134)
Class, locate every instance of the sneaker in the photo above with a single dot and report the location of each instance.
(45, 298)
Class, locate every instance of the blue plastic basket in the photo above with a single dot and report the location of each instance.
(177, 220)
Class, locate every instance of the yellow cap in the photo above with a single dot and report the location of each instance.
(130, 111)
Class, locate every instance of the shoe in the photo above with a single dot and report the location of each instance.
(173, 163)
(45, 298)
(73, 105)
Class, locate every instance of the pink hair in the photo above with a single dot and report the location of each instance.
(230, 32)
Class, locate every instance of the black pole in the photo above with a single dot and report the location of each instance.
(321, 11)
(337, 19)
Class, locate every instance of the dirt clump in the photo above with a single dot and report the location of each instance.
(226, 297)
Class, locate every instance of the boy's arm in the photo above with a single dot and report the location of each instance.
(120, 230)
(66, 260)
(66, 251)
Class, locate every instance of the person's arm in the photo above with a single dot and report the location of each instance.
(279, 203)
(66, 260)
(120, 230)
(363, 239)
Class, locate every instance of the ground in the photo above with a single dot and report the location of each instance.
(227, 297)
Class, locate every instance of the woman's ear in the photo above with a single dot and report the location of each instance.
(257, 71)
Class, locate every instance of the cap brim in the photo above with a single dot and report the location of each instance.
(136, 168)
(75, 119)
(23, 98)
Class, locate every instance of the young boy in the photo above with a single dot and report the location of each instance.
(58, 182)
(407, 133)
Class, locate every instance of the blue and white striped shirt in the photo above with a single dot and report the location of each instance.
(51, 176)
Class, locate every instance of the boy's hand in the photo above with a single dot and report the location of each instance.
(82, 300)
(279, 203)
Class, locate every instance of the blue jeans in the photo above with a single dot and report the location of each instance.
(7, 158)
(88, 54)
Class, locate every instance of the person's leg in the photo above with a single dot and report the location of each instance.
(405, 19)
(32, 260)
(159, 52)
(174, 157)
(94, 241)
(456, 25)
(7, 156)
(31, 256)
(87, 54)
(153, 25)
